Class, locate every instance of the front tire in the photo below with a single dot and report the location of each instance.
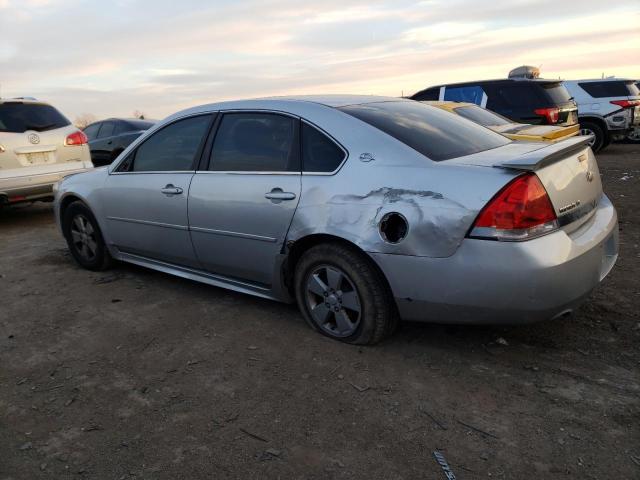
(84, 238)
(343, 296)
(599, 135)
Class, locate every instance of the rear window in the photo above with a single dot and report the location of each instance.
(482, 116)
(610, 89)
(556, 92)
(436, 134)
(16, 117)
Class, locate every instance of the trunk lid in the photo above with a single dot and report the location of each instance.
(568, 170)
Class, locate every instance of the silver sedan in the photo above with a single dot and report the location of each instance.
(364, 210)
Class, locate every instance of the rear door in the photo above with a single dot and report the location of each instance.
(101, 145)
(241, 204)
(145, 197)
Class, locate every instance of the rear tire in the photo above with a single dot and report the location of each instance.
(343, 296)
(599, 135)
(84, 238)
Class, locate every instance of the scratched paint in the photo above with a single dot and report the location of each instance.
(436, 223)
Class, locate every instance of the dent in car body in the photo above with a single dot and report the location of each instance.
(436, 224)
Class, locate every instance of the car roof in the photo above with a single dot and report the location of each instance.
(126, 120)
(495, 81)
(608, 79)
(24, 100)
(286, 103)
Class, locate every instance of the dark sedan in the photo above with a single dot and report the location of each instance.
(108, 138)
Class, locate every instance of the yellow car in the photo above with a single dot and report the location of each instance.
(515, 131)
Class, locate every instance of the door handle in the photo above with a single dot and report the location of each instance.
(171, 190)
(278, 195)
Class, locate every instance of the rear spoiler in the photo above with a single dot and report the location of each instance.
(547, 155)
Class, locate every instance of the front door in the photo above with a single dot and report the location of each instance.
(241, 207)
(145, 197)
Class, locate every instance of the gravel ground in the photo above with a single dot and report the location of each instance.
(136, 374)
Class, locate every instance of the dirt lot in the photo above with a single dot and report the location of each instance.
(136, 374)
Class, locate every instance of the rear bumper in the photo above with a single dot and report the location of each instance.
(31, 187)
(490, 282)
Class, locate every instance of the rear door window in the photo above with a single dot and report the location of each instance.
(106, 130)
(256, 142)
(436, 134)
(319, 152)
(171, 149)
(18, 117)
(610, 89)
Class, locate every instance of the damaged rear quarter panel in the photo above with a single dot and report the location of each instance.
(439, 202)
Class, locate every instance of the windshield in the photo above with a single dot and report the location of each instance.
(436, 134)
(482, 115)
(17, 117)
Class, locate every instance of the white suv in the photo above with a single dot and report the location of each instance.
(608, 108)
(38, 147)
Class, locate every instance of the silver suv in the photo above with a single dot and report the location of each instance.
(608, 108)
(38, 148)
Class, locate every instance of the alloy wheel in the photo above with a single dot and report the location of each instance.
(588, 131)
(83, 236)
(333, 301)
(634, 135)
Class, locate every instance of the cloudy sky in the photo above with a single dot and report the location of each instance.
(109, 58)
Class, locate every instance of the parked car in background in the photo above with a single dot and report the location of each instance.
(608, 108)
(634, 135)
(362, 209)
(524, 100)
(108, 138)
(38, 147)
(515, 131)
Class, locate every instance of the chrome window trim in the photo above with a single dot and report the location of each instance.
(232, 172)
(157, 172)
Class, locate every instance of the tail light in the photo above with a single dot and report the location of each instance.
(551, 114)
(520, 211)
(76, 138)
(626, 103)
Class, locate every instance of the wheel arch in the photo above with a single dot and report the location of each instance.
(595, 119)
(294, 250)
(68, 200)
